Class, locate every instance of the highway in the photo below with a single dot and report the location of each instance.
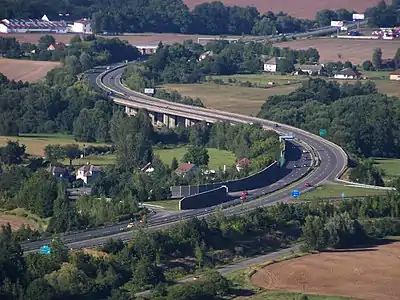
(333, 162)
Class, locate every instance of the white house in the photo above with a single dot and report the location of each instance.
(348, 73)
(311, 69)
(271, 65)
(88, 173)
(82, 26)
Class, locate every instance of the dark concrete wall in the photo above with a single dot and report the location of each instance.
(269, 175)
(206, 199)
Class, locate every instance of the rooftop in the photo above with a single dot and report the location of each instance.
(184, 168)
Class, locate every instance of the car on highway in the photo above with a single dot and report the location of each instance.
(245, 193)
(305, 165)
(296, 166)
(276, 125)
(243, 197)
(307, 184)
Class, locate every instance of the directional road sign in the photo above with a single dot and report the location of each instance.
(295, 194)
(342, 195)
(45, 250)
(322, 132)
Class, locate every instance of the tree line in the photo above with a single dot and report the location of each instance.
(62, 102)
(206, 18)
(148, 261)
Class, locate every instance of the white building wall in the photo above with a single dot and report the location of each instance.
(269, 68)
(4, 28)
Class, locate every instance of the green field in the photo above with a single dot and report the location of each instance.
(391, 167)
(336, 190)
(293, 296)
(218, 158)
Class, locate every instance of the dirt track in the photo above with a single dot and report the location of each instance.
(355, 51)
(26, 70)
(369, 274)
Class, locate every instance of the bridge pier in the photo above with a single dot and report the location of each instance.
(152, 118)
(189, 122)
(172, 121)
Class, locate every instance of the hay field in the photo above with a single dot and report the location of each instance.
(355, 51)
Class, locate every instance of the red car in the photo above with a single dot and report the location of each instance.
(244, 193)
(307, 185)
(243, 197)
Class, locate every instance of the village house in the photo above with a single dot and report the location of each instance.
(271, 65)
(58, 172)
(348, 73)
(148, 168)
(186, 168)
(88, 173)
(395, 75)
(243, 163)
(56, 46)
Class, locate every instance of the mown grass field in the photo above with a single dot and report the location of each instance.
(243, 100)
(391, 167)
(336, 190)
(35, 143)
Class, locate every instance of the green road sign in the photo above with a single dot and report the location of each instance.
(322, 132)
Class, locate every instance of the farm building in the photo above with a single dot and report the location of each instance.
(348, 73)
(82, 26)
(395, 75)
(32, 25)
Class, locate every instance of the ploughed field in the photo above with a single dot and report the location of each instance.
(371, 273)
(356, 51)
(300, 9)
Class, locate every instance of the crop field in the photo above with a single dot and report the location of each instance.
(368, 273)
(301, 9)
(243, 100)
(35, 143)
(26, 70)
(355, 51)
(134, 38)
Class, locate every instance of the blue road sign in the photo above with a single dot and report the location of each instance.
(295, 194)
(322, 132)
(45, 250)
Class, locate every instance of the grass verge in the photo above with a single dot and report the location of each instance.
(166, 204)
(336, 190)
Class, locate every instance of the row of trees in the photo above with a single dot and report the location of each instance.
(191, 62)
(207, 18)
(148, 261)
(62, 103)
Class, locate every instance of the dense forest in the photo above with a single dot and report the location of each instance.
(149, 260)
(356, 116)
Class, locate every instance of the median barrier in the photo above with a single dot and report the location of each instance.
(206, 199)
(359, 37)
